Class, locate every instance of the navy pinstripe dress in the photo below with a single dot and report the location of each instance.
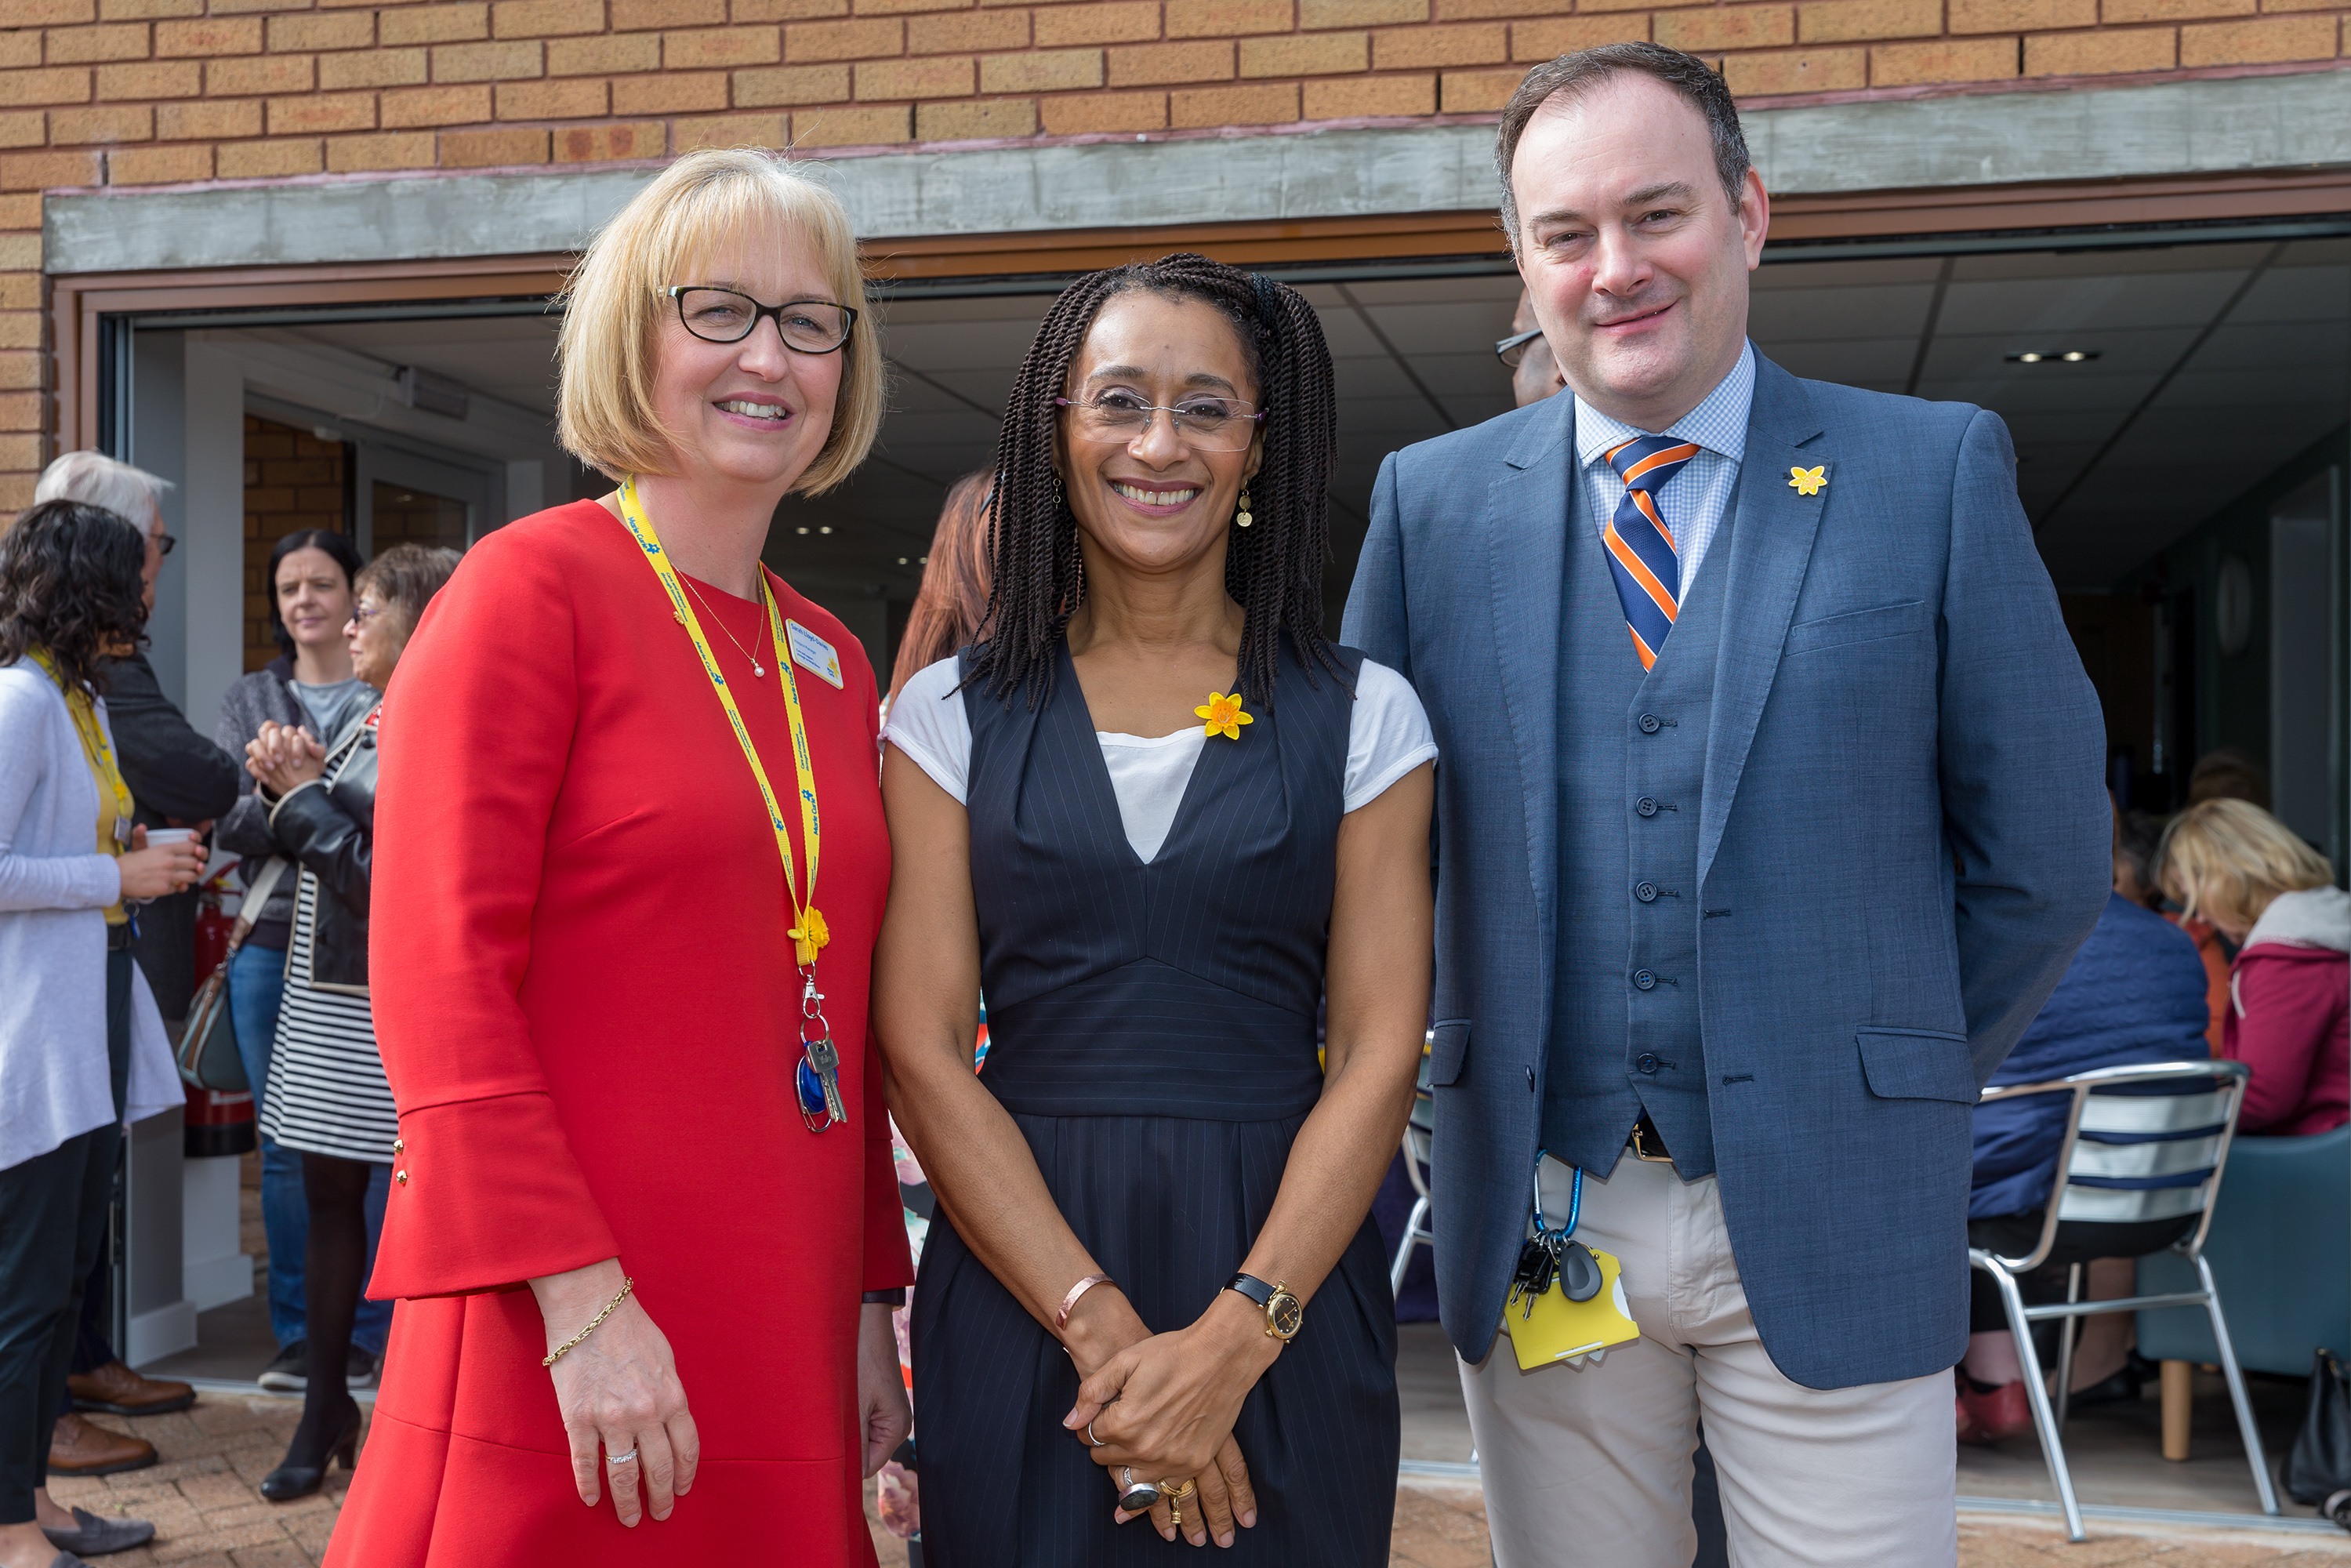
(1152, 1033)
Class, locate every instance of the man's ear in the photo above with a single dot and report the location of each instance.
(1754, 217)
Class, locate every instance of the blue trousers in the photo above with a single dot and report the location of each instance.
(256, 986)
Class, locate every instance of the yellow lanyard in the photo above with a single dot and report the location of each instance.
(94, 750)
(809, 932)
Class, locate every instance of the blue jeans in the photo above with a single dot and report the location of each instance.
(256, 986)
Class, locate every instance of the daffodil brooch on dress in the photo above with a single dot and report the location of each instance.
(1223, 715)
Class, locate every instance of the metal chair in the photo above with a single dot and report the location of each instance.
(1417, 1134)
(2110, 1138)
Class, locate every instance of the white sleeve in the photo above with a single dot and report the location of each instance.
(1387, 736)
(927, 722)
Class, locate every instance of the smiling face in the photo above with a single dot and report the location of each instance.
(1634, 255)
(314, 598)
(752, 412)
(1154, 502)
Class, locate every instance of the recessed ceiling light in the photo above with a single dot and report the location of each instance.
(2046, 356)
(902, 560)
(826, 529)
(799, 530)
(922, 561)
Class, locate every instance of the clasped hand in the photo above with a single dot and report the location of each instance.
(282, 756)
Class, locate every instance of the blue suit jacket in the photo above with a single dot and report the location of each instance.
(1903, 839)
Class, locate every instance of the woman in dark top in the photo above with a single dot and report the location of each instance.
(1154, 1176)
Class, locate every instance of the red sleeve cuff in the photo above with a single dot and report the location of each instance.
(485, 1193)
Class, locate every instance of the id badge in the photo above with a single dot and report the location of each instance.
(1561, 1330)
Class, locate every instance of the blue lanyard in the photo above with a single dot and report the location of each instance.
(1575, 1201)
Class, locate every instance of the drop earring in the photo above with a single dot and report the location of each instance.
(1242, 517)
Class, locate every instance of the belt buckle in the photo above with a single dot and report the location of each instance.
(1643, 1130)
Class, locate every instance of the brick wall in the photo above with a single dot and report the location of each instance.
(145, 92)
(293, 481)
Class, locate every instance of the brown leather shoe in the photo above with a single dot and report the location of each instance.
(116, 1390)
(80, 1447)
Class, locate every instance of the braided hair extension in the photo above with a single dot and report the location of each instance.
(1273, 569)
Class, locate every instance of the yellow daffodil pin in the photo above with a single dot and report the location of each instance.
(1223, 715)
(810, 935)
(1808, 481)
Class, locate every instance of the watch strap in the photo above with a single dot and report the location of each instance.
(1249, 1285)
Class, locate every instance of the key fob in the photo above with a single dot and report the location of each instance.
(1579, 1275)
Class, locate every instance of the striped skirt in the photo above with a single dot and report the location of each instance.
(327, 1092)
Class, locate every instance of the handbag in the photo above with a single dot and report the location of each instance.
(2318, 1470)
(207, 1055)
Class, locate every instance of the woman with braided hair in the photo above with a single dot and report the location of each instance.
(1150, 1286)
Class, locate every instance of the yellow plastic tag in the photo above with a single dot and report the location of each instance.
(1562, 1330)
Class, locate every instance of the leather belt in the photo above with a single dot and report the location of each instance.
(1645, 1144)
(118, 937)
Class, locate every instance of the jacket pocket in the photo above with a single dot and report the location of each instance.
(1859, 626)
(1448, 1048)
(1917, 1064)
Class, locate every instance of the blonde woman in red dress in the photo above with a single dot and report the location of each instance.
(644, 1232)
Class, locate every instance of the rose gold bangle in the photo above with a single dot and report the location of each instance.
(1070, 1302)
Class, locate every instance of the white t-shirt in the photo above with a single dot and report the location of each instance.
(1387, 738)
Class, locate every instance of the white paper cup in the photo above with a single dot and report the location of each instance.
(158, 837)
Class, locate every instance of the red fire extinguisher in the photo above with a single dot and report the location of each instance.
(213, 927)
(219, 1121)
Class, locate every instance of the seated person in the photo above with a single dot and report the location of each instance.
(2289, 1013)
(2133, 994)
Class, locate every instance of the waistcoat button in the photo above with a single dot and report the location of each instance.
(1647, 893)
(1646, 805)
(1644, 981)
(1649, 724)
(1648, 1062)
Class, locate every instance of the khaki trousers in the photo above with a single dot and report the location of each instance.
(1592, 1464)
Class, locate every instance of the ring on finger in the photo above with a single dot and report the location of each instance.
(617, 1460)
(1091, 1438)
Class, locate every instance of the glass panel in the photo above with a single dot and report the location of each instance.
(411, 517)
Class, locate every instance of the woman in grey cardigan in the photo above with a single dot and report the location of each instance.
(308, 686)
(82, 1048)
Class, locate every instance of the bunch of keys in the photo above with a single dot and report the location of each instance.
(1549, 1256)
(818, 1078)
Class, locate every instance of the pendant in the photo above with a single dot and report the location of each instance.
(756, 668)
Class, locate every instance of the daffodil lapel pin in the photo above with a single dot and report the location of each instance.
(1223, 715)
(1808, 481)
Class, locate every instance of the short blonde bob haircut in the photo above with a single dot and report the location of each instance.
(2231, 858)
(614, 307)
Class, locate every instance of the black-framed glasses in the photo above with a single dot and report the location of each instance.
(1207, 424)
(727, 315)
(164, 543)
(1511, 349)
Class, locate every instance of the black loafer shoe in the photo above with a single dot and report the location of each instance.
(94, 1537)
(2122, 1388)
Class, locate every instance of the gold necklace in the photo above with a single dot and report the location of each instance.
(756, 667)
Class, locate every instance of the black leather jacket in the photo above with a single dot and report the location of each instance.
(329, 829)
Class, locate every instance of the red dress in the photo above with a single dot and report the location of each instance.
(588, 1015)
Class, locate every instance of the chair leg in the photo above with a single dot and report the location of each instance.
(2068, 1331)
(2178, 1405)
(2036, 1394)
(2253, 1454)
(1404, 1248)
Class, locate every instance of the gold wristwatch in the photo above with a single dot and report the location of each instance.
(1284, 1313)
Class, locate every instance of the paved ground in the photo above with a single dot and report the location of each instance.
(207, 1514)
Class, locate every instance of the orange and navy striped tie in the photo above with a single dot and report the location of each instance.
(1642, 555)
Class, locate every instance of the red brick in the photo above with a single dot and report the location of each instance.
(730, 131)
(491, 149)
(24, 128)
(209, 36)
(2259, 43)
(393, 150)
(268, 160)
(1319, 14)
(300, 116)
(17, 88)
(1410, 48)
(1147, 64)
(1547, 40)
(159, 165)
(1367, 97)
(267, 73)
(1119, 22)
(1477, 92)
(791, 85)
(981, 119)
(21, 212)
(81, 46)
(669, 92)
(645, 15)
(1080, 114)
(487, 62)
(1796, 70)
(2123, 11)
(1726, 28)
(1847, 21)
(572, 98)
(788, 10)
(153, 78)
(108, 122)
(1952, 59)
(612, 143)
(209, 119)
(1268, 103)
(371, 67)
(871, 127)
(966, 32)
(862, 39)
(1040, 70)
(1314, 54)
(545, 19)
(433, 23)
(322, 30)
(2106, 52)
(935, 76)
(721, 47)
(599, 57)
(2020, 15)
(435, 106)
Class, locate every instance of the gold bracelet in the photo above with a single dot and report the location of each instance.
(594, 1323)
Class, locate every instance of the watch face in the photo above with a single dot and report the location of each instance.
(1284, 1313)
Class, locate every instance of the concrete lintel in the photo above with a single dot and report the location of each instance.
(2171, 128)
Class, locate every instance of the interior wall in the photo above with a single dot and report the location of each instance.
(293, 482)
(157, 441)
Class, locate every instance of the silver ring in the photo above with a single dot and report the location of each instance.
(1091, 1438)
(617, 1460)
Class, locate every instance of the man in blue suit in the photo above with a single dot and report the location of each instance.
(1770, 813)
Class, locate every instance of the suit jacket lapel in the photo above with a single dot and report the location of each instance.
(1528, 513)
(1769, 550)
